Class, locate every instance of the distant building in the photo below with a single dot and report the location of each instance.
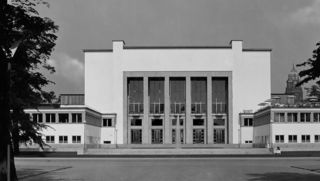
(288, 126)
(291, 89)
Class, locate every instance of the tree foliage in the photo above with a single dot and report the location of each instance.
(21, 23)
(313, 91)
(312, 67)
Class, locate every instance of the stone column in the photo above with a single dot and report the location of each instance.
(145, 125)
(209, 111)
(126, 130)
(167, 138)
(189, 132)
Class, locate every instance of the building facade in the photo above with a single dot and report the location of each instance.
(288, 126)
(176, 95)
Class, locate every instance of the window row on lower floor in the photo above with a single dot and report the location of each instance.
(294, 138)
(63, 139)
(198, 136)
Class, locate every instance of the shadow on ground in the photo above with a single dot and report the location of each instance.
(289, 176)
(38, 174)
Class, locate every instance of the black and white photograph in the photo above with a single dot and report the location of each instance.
(159, 90)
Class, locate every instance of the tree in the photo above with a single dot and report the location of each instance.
(312, 70)
(313, 91)
(20, 22)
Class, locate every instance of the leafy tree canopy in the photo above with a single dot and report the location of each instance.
(312, 67)
(20, 24)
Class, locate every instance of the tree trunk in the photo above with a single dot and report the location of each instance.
(5, 121)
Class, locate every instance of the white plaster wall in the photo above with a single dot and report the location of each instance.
(259, 131)
(104, 74)
(107, 134)
(64, 130)
(246, 134)
(94, 132)
(295, 129)
(98, 81)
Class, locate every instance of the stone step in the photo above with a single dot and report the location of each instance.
(181, 151)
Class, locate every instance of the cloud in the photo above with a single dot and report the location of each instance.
(307, 15)
(69, 75)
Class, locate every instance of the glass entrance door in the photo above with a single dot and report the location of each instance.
(178, 125)
(198, 136)
(218, 136)
(136, 136)
(157, 136)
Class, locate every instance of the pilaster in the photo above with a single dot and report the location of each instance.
(167, 138)
(209, 111)
(145, 124)
(189, 132)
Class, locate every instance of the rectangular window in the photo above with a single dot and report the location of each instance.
(50, 118)
(219, 122)
(76, 139)
(292, 138)
(278, 117)
(248, 122)
(248, 141)
(76, 117)
(107, 122)
(293, 117)
(198, 122)
(136, 136)
(177, 95)
(316, 117)
(63, 139)
(156, 122)
(305, 117)
(49, 139)
(174, 122)
(136, 122)
(316, 138)
(279, 138)
(63, 118)
(305, 138)
(37, 117)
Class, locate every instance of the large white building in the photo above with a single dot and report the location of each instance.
(149, 88)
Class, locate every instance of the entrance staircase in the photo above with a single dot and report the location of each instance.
(177, 151)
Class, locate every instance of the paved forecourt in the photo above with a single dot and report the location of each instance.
(272, 168)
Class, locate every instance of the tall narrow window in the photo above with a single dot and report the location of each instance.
(135, 95)
(177, 95)
(156, 94)
(198, 95)
(219, 94)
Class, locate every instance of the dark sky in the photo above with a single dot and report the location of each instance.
(290, 28)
